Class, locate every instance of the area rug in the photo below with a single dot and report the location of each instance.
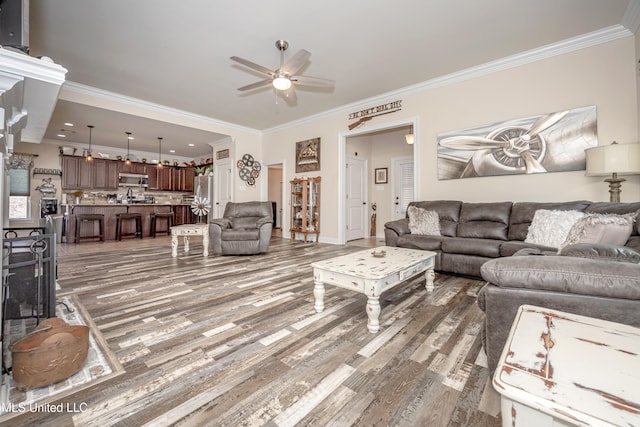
(101, 363)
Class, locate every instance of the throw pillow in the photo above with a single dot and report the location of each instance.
(550, 227)
(422, 221)
(601, 228)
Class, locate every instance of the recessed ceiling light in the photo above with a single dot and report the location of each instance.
(172, 151)
(68, 124)
(192, 145)
(60, 135)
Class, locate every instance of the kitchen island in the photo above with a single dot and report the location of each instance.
(181, 215)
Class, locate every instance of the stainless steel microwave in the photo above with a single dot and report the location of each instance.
(133, 180)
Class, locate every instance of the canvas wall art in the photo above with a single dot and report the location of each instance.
(308, 155)
(553, 142)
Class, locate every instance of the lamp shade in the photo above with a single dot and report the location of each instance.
(622, 159)
(281, 83)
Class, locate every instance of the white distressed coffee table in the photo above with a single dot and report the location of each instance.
(369, 275)
(186, 231)
(562, 369)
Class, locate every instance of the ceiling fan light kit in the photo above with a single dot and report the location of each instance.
(284, 78)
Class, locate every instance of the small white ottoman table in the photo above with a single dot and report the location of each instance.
(562, 369)
(188, 230)
(362, 272)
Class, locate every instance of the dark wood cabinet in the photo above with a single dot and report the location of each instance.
(102, 174)
(77, 173)
(184, 179)
(152, 172)
(165, 178)
(133, 167)
(105, 174)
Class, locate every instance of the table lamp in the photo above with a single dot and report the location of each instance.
(615, 159)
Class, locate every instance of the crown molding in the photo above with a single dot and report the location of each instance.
(594, 38)
(72, 88)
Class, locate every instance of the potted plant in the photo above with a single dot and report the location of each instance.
(78, 195)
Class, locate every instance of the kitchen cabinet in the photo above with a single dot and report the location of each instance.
(305, 207)
(77, 173)
(134, 167)
(185, 179)
(105, 174)
(165, 178)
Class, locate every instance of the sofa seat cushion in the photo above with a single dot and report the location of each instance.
(510, 248)
(241, 234)
(479, 247)
(565, 274)
(484, 220)
(417, 241)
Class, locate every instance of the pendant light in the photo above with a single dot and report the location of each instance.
(409, 136)
(127, 161)
(160, 152)
(89, 156)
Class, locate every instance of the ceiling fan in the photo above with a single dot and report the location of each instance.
(284, 77)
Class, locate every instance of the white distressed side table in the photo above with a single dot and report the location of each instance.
(362, 272)
(562, 369)
(186, 231)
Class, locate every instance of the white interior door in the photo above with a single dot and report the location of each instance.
(403, 190)
(222, 183)
(356, 187)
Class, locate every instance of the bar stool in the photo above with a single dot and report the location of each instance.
(86, 218)
(122, 217)
(168, 216)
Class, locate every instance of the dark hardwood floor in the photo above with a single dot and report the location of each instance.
(235, 341)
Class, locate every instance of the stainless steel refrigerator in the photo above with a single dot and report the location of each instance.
(203, 189)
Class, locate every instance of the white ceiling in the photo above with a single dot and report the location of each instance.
(176, 53)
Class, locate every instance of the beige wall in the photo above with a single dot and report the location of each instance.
(604, 76)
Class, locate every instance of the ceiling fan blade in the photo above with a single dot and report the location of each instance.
(256, 85)
(312, 81)
(253, 65)
(290, 96)
(296, 62)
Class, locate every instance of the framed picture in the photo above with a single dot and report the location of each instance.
(308, 155)
(551, 142)
(381, 176)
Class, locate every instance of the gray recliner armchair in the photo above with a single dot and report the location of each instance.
(245, 229)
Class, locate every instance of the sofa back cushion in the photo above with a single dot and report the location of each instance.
(484, 220)
(522, 214)
(448, 212)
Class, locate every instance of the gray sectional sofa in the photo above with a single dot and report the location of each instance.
(487, 240)
(474, 233)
